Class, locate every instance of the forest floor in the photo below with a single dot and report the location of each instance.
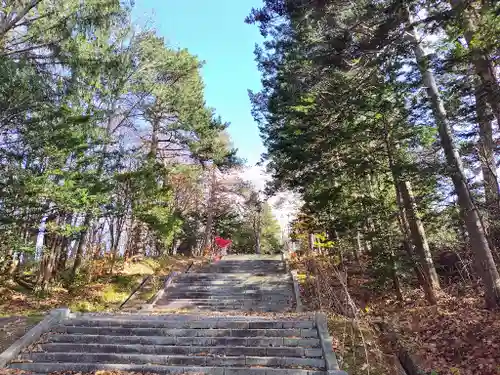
(458, 336)
(21, 309)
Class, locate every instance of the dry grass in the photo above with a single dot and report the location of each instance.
(103, 293)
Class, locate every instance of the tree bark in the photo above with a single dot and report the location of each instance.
(395, 278)
(153, 151)
(486, 148)
(480, 60)
(430, 293)
(310, 242)
(358, 249)
(81, 245)
(479, 242)
(409, 211)
(418, 236)
(210, 211)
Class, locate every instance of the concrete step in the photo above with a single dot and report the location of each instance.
(228, 278)
(40, 368)
(122, 331)
(228, 291)
(221, 287)
(176, 360)
(230, 285)
(235, 278)
(224, 302)
(182, 350)
(234, 270)
(216, 276)
(228, 294)
(167, 306)
(171, 309)
(305, 343)
(192, 317)
(198, 324)
(228, 299)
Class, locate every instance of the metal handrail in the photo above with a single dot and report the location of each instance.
(135, 290)
(189, 267)
(167, 281)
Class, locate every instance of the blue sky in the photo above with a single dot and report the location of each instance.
(215, 31)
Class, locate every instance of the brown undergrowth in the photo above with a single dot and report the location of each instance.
(103, 292)
(457, 336)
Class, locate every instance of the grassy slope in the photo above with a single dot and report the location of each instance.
(103, 293)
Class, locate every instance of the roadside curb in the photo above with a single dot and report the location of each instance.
(296, 292)
(53, 318)
(284, 259)
(332, 366)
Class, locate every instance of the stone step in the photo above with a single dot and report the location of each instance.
(285, 289)
(234, 277)
(198, 324)
(182, 350)
(228, 297)
(169, 308)
(225, 301)
(41, 368)
(122, 331)
(176, 360)
(231, 284)
(237, 303)
(237, 277)
(193, 317)
(305, 343)
(222, 292)
(256, 271)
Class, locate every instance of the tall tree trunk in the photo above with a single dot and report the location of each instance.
(486, 148)
(408, 207)
(115, 233)
(81, 245)
(258, 249)
(395, 277)
(430, 293)
(210, 210)
(63, 255)
(49, 263)
(418, 236)
(153, 151)
(480, 60)
(310, 243)
(479, 242)
(358, 249)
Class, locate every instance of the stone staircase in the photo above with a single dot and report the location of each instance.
(210, 341)
(236, 283)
